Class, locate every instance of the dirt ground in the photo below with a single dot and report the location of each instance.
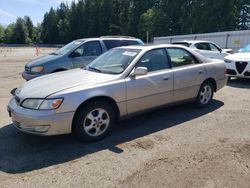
(179, 146)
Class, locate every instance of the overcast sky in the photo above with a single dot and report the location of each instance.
(11, 9)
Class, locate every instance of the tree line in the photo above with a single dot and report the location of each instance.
(139, 18)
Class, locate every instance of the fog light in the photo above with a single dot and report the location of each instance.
(41, 128)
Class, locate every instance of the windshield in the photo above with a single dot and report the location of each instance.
(115, 61)
(68, 48)
(245, 49)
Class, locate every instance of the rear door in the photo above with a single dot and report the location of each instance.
(153, 89)
(188, 73)
(87, 53)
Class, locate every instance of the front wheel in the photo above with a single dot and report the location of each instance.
(94, 121)
(205, 94)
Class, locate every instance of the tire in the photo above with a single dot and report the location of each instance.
(205, 94)
(94, 121)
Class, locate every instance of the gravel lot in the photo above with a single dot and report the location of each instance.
(179, 146)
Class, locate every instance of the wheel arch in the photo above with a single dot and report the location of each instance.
(107, 99)
(211, 80)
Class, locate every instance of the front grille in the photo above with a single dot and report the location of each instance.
(17, 99)
(12, 92)
(240, 66)
(247, 74)
(27, 69)
(231, 72)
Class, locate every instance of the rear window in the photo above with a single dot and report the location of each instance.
(182, 43)
(116, 43)
(129, 42)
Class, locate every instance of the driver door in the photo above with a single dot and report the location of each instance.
(153, 89)
(86, 53)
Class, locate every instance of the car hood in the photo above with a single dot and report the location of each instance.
(239, 57)
(41, 60)
(44, 86)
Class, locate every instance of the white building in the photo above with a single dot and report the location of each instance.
(229, 39)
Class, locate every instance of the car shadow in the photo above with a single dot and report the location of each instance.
(21, 153)
(239, 83)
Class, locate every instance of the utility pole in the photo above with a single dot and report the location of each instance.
(147, 37)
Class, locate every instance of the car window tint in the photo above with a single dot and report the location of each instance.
(129, 42)
(92, 48)
(154, 60)
(180, 57)
(112, 43)
(203, 46)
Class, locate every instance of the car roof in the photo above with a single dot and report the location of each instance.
(192, 41)
(150, 47)
(107, 38)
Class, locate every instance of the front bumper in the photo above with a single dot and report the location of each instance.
(40, 122)
(28, 76)
(234, 69)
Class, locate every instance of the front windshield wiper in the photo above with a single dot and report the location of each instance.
(95, 69)
(53, 53)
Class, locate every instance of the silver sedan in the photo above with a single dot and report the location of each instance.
(121, 82)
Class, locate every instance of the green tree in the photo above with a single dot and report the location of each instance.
(244, 14)
(20, 32)
(2, 34)
(29, 26)
(49, 29)
(37, 34)
(8, 32)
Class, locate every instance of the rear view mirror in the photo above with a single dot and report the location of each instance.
(75, 54)
(139, 71)
(145, 61)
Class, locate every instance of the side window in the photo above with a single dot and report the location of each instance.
(90, 49)
(214, 48)
(129, 42)
(154, 60)
(112, 43)
(203, 46)
(180, 57)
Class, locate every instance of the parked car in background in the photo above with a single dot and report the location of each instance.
(245, 49)
(238, 64)
(76, 54)
(121, 82)
(206, 48)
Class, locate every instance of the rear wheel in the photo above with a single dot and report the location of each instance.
(94, 121)
(205, 94)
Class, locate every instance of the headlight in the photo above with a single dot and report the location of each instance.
(42, 104)
(50, 104)
(228, 61)
(36, 69)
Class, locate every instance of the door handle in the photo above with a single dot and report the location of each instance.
(166, 78)
(200, 71)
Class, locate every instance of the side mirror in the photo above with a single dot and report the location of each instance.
(75, 54)
(139, 71)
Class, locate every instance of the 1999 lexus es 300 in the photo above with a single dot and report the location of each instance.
(121, 82)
